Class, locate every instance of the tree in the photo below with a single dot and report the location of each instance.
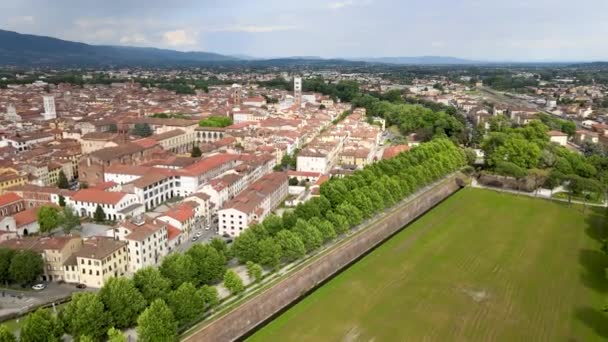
(99, 215)
(246, 246)
(185, 303)
(142, 130)
(157, 323)
(114, 294)
(326, 229)
(6, 257)
(216, 121)
(85, 338)
(210, 264)
(69, 220)
(112, 128)
(221, 246)
(84, 185)
(310, 235)
(539, 177)
(151, 283)
(61, 201)
(41, 326)
(293, 181)
(254, 271)
(26, 267)
(210, 296)
(233, 282)
(115, 335)
(273, 224)
(270, 253)
(48, 218)
(6, 335)
(85, 315)
(196, 152)
(179, 268)
(62, 181)
(291, 245)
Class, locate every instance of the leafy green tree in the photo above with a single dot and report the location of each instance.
(221, 246)
(6, 257)
(210, 296)
(48, 219)
(85, 338)
(69, 220)
(270, 253)
(62, 181)
(142, 130)
(326, 229)
(99, 215)
(114, 294)
(293, 181)
(151, 283)
(254, 271)
(339, 222)
(85, 315)
(352, 213)
(6, 335)
(518, 151)
(41, 326)
(291, 245)
(157, 323)
(310, 235)
(196, 152)
(210, 264)
(185, 303)
(233, 282)
(179, 268)
(246, 246)
(115, 335)
(61, 201)
(26, 267)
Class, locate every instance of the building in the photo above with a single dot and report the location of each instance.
(558, 137)
(10, 178)
(55, 252)
(181, 217)
(297, 90)
(253, 204)
(49, 108)
(116, 205)
(147, 241)
(99, 259)
(10, 204)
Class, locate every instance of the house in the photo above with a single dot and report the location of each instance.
(558, 137)
(22, 223)
(582, 136)
(147, 241)
(99, 259)
(181, 217)
(116, 205)
(253, 204)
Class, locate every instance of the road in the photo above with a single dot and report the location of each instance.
(206, 236)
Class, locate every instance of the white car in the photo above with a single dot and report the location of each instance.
(199, 234)
(39, 287)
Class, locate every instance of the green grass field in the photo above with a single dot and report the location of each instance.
(482, 266)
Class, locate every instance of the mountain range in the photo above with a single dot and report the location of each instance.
(31, 50)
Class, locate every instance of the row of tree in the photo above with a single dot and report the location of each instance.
(20, 267)
(345, 203)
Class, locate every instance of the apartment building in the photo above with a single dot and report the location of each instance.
(99, 259)
(147, 241)
(253, 204)
(11, 203)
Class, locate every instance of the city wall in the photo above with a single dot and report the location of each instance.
(257, 310)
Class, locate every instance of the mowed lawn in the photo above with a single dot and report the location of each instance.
(482, 266)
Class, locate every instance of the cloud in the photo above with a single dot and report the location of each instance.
(27, 19)
(180, 38)
(255, 28)
(136, 38)
(341, 4)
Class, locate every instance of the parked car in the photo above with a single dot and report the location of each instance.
(81, 286)
(198, 234)
(207, 227)
(39, 287)
(194, 238)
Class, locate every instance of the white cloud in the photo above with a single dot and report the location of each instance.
(255, 28)
(341, 4)
(180, 38)
(136, 38)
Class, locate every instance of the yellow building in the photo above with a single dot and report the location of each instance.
(10, 177)
(99, 259)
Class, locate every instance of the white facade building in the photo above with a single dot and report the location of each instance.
(49, 108)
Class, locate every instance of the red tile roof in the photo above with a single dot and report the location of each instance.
(9, 198)
(181, 213)
(210, 163)
(98, 196)
(172, 232)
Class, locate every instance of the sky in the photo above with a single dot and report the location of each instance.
(488, 30)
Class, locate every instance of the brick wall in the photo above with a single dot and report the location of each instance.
(263, 306)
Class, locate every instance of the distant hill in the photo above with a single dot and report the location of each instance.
(31, 50)
(423, 60)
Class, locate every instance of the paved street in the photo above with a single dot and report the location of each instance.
(16, 301)
(206, 236)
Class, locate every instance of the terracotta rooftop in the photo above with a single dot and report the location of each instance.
(99, 247)
(98, 196)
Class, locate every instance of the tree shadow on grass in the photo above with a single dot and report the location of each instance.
(594, 275)
(594, 319)
(596, 220)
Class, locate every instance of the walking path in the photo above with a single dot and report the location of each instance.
(540, 193)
